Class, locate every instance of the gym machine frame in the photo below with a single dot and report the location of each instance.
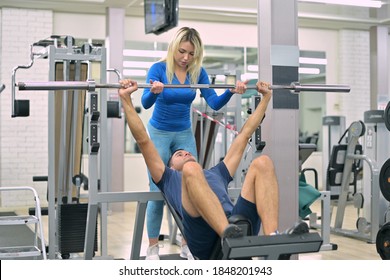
(355, 131)
(90, 56)
(66, 55)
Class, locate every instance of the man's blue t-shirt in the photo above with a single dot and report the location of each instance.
(218, 178)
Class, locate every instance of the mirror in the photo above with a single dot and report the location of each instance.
(139, 56)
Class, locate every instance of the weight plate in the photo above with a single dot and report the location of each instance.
(363, 128)
(358, 200)
(384, 180)
(383, 242)
(361, 224)
(386, 116)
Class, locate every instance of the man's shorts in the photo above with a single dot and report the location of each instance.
(201, 238)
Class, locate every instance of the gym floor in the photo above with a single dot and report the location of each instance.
(120, 234)
(120, 231)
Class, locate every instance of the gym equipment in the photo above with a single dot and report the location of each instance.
(386, 116)
(240, 221)
(384, 180)
(206, 123)
(383, 242)
(333, 129)
(307, 193)
(98, 198)
(383, 236)
(366, 231)
(36, 249)
(71, 229)
(273, 247)
(305, 150)
(376, 147)
(63, 62)
(384, 183)
(66, 118)
(335, 170)
(21, 107)
(91, 86)
(97, 153)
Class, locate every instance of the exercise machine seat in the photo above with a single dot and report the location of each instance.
(242, 222)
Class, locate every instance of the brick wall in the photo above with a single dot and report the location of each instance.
(23, 141)
(354, 70)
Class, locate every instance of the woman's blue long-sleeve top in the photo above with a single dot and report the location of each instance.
(172, 106)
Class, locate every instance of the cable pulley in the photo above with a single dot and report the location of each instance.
(91, 86)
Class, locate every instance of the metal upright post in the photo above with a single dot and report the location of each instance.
(279, 62)
(52, 227)
(93, 151)
(105, 163)
(115, 38)
(353, 137)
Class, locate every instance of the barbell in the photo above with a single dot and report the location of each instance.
(90, 85)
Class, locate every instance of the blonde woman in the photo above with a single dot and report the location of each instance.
(170, 126)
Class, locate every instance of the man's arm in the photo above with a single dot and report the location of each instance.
(151, 156)
(237, 148)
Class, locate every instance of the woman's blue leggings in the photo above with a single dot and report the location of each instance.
(166, 142)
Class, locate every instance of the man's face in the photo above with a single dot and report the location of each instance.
(179, 158)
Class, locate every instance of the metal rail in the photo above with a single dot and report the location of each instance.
(91, 86)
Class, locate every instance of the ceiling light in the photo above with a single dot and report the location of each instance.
(249, 76)
(134, 73)
(312, 60)
(311, 71)
(253, 68)
(137, 64)
(301, 70)
(359, 3)
(144, 53)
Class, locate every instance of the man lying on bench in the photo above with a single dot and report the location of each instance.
(201, 196)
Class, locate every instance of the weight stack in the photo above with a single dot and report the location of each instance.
(71, 228)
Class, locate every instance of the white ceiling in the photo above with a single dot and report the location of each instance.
(243, 11)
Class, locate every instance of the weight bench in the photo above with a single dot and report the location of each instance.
(275, 247)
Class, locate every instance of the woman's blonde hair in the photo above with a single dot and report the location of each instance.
(185, 34)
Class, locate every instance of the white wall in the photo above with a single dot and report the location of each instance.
(93, 26)
(135, 175)
(354, 69)
(326, 41)
(23, 141)
(79, 25)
